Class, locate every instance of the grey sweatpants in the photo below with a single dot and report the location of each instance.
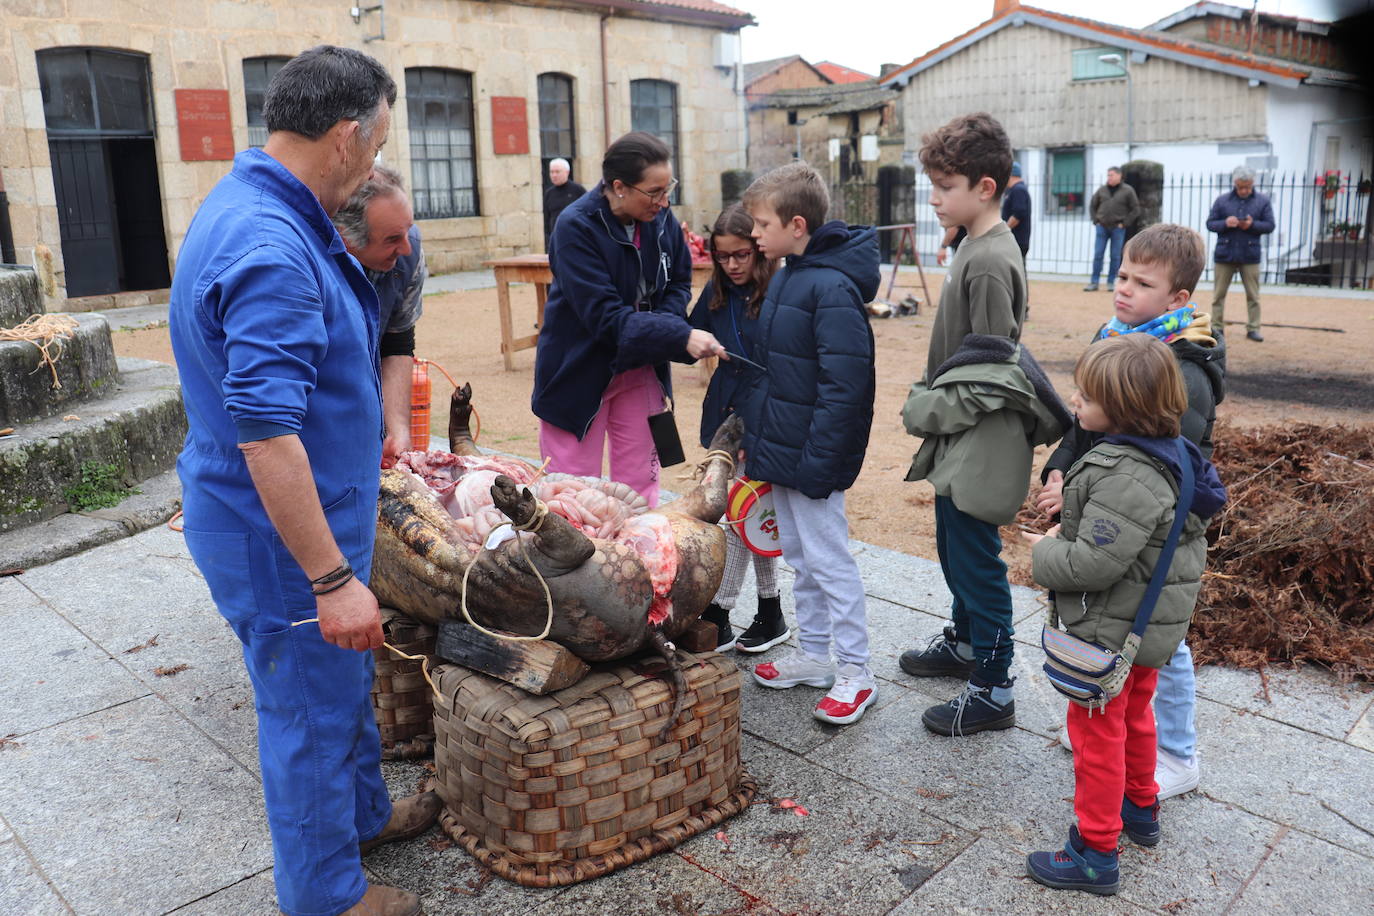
(828, 590)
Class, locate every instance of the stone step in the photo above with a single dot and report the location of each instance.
(133, 432)
(19, 296)
(86, 368)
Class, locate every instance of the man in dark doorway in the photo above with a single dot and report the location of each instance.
(563, 191)
(1114, 207)
(1016, 210)
(274, 328)
(378, 227)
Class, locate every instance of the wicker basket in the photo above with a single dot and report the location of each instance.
(552, 790)
(402, 700)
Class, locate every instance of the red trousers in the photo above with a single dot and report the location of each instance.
(1113, 757)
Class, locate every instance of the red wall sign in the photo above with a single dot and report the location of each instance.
(203, 124)
(510, 132)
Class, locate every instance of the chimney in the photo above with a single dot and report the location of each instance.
(885, 69)
(1003, 6)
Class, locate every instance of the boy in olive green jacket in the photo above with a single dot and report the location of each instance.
(969, 162)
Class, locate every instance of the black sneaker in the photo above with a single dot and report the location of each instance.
(1140, 824)
(767, 630)
(973, 710)
(720, 617)
(938, 659)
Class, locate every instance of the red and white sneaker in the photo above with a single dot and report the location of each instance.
(796, 669)
(854, 691)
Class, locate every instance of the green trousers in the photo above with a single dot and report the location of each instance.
(1249, 278)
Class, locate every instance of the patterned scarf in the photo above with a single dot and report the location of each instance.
(1166, 327)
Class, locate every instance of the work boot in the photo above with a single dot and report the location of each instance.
(410, 817)
(381, 900)
(1256, 336)
(719, 617)
(767, 630)
(940, 658)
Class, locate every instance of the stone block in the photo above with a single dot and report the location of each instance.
(138, 427)
(19, 296)
(1308, 875)
(84, 364)
(25, 885)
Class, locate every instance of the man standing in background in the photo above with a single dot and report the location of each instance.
(557, 198)
(1114, 207)
(378, 227)
(1239, 217)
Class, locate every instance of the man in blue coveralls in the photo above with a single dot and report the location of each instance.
(275, 329)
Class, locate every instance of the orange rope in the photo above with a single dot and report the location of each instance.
(173, 519)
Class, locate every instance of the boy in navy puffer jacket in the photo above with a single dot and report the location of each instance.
(806, 425)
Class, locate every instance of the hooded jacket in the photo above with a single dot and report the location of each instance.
(1234, 244)
(806, 422)
(982, 416)
(1119, 502)
(592, 326)
(738, 333)
(1201, 355)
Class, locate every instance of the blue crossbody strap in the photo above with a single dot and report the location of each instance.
(1166, 554)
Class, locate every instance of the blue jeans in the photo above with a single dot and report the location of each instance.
(1118, 239)
(1175, 701)
(970, 557)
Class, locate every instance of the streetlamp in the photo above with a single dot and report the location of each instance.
(1119, 60)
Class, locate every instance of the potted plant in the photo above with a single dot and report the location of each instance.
(1342, 229)
(1330, 183)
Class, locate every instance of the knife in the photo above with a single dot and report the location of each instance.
(747, 362)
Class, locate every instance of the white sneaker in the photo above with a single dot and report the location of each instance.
(854, 691)
(1175, 775)
(795, 669)
(1064, 740)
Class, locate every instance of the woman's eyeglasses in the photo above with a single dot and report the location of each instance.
(657, 197)
(739, 257)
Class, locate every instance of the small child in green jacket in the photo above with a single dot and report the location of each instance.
(1119, 504)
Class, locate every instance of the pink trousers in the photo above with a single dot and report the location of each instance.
(623, 419)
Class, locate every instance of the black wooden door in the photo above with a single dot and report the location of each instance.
(86, 216)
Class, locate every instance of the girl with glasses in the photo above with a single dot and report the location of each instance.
(729, 309)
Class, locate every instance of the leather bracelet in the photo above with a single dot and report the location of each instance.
(334, 586)
(340, 573)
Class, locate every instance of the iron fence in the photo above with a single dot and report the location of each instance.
(1323, 235)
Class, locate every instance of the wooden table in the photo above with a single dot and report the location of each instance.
(534, 268)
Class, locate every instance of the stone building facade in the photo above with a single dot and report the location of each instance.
(117, 117)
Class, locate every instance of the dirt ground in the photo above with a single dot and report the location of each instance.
(1316, 365)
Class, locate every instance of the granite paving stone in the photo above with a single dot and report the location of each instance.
(254, 894)
(1362, 732)
(1011, 782)
(1310, 698)
(52, 671)
(130, 810)
(856, 846)
(918, 583)
(26, 893)
(1291, 777)
(1308, 875)
(990, 878)
(785, 716)
(666, 883)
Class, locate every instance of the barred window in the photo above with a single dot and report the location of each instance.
(557, 136)
(653, 108)
(443, 154)
(257, 73)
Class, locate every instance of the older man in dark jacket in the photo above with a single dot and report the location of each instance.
(1239, 217)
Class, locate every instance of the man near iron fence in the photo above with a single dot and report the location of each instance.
(1113, 209)
(1239, 217)
(378, 227)
(274, 327)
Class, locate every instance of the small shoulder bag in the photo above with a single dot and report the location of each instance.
(1088, 674)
